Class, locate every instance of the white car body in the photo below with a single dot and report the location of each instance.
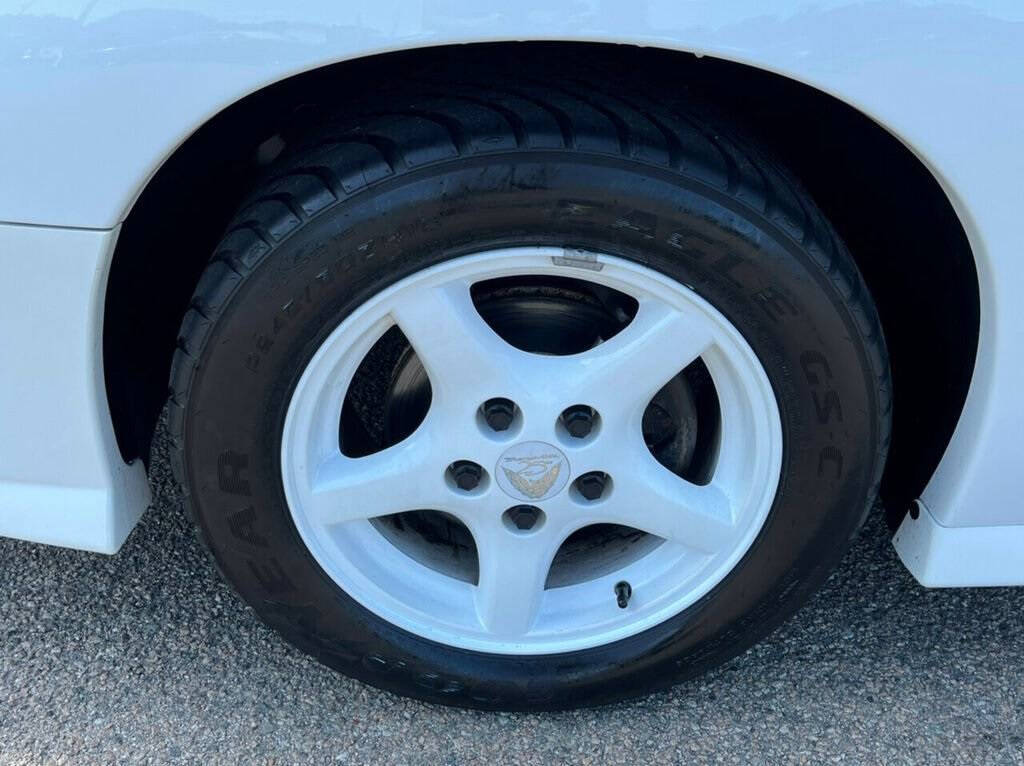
(97, 95)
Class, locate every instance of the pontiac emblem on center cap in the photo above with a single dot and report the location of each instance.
(532, 471)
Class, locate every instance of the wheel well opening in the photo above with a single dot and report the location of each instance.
(890, 210)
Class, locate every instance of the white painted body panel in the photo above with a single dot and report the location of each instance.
(62, 480)
(97, 94)
(945, 557)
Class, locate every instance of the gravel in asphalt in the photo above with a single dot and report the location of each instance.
(147, 657)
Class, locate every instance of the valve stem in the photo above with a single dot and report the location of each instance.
(623, 590)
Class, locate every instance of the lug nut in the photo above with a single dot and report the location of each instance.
(523, 517)
(499, 413)
(578, 420)
(591, 485)
(466, 474)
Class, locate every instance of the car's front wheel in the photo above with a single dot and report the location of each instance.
(512, 400)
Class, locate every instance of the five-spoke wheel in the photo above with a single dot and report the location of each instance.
(525, 449)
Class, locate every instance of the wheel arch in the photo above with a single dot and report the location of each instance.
(897, 220)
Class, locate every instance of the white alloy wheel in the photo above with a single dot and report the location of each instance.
(699, 531)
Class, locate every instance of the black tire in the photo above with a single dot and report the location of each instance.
(419, 179)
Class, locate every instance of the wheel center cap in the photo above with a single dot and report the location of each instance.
(532, 471)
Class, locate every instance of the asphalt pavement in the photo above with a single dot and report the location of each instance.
(148, 657)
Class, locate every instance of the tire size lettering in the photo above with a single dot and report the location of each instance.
(264, 342)
(644, 224)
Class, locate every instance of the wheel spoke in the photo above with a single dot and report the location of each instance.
(513, 570)
(462, 355)
(400, 478)
(654, 347)
(653, 499)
